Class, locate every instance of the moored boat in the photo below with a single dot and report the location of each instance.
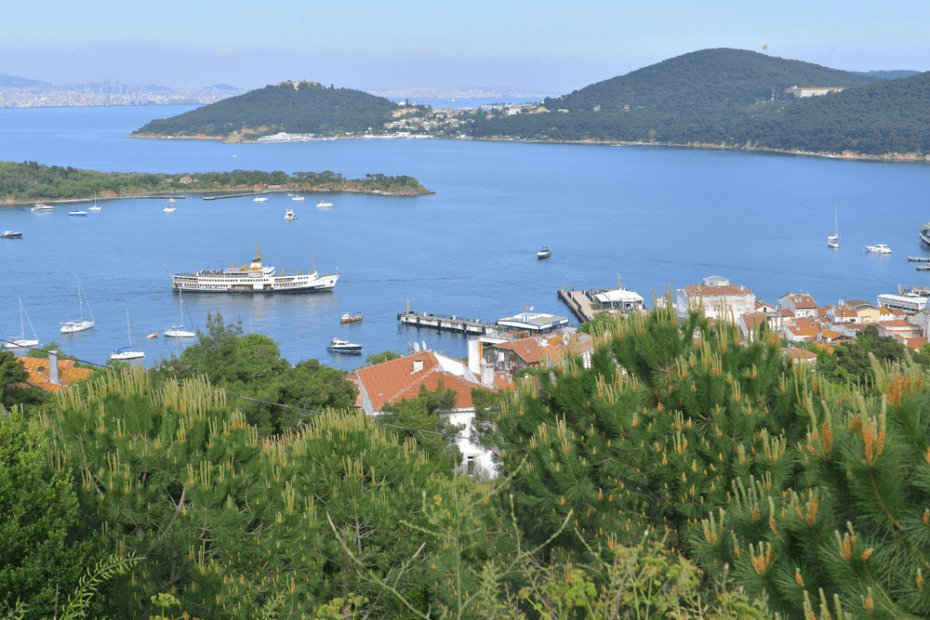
(880, 248)
(252, 278)
(351, 318)
(297, 198)
(77, 213)
(72, 327)
(42, 208)
(260, 199)
(10, 234)
(543, 253)
(324, 205)
(289, 215)
(925, 233)
(344, 346)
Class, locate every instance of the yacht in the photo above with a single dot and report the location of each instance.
(297, 198)
(881, 248)
(324, 205)
(543, 253)
(260, 199)
(41, 208)
(344, 346)
(289, 215)
(95, 207)
(11, 234)
(78, 326)
(77, 213)
(925, 233)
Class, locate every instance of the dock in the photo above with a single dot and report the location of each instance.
(454, 324)
(221, 196)
(923, 267)
(164, 196)
(919, 259)
(578, 303)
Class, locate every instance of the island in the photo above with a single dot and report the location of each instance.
(28, 182)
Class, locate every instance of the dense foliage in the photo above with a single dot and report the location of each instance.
(736, 98)
(30, 181)
(251, 365)
(686, 472)
(292, 107)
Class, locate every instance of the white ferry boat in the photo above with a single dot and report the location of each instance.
(254, 278)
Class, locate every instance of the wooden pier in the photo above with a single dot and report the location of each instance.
(919, 259)
(923, 267)
(578, 303)
(454, 324)
(220, 196)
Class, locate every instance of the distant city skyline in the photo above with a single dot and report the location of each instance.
(541, 46)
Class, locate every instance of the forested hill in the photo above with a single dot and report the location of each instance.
(292, 107)
(887, 117)
(706, 83)
(725, 97)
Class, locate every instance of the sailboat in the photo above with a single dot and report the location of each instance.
(22, 343)
(178, 331)
(126, 353)
(831, 240)
(78, 326)
(95, 207)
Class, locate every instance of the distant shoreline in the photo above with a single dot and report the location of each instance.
(888, 157)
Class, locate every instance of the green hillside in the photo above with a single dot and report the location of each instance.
(886, 117)
(735, 98)
(292, 107)
(707, 82)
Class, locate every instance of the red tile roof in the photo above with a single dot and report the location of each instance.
(527, 348)
(699, 290)
(753, 319)
(38, 373)
(397, 380)
(802, 301)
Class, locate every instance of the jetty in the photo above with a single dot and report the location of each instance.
(579, 303)
(220, 196)
(919, 259)
(585, 303)
(923, 267)
(164, 196)
(454, 324)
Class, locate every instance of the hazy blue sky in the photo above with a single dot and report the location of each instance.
(545, 45)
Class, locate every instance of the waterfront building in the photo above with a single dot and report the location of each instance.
(533, 322)
(866, 312)
(401, 379)
(717, 298)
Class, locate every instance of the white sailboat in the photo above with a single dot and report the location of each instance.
(178, 331)
(78, 326)
(95, 207)
(21, 342)
(836, 231)
(124, 354)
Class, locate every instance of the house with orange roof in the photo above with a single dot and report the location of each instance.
(842, 313)
(717, 298)
(802, 304)
(866, 312)
(803, 330)
(912, 343)
(899, 328)
(401, 379)
(52, 374)
(800, 356)
(537, 352)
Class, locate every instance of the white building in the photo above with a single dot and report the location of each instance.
(718, 298)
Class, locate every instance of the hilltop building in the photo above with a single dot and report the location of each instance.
(813, 91)
(718, 298)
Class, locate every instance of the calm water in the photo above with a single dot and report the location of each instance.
(654, 216)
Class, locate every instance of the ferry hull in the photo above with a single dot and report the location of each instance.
(323, 284)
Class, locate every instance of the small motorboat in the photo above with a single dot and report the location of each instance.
(543, 253)
(832, 244)
(11, 234)
(42, 208)
(152, 335)
(344, 346)
(260, 199)
(289, 215)
(77, 213)
(169, 209)
(172, 200)
(881, 248)
(324, 205)
(351, 318)
(297, 198)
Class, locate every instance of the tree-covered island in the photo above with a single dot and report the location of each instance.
(713, 98)
(27, 182)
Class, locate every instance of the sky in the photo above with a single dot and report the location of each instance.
(542, 46)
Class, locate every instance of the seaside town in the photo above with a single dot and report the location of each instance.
(497, 352)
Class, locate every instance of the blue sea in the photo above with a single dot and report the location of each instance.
(650, 217)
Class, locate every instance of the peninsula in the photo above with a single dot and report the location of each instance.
(28, 182)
